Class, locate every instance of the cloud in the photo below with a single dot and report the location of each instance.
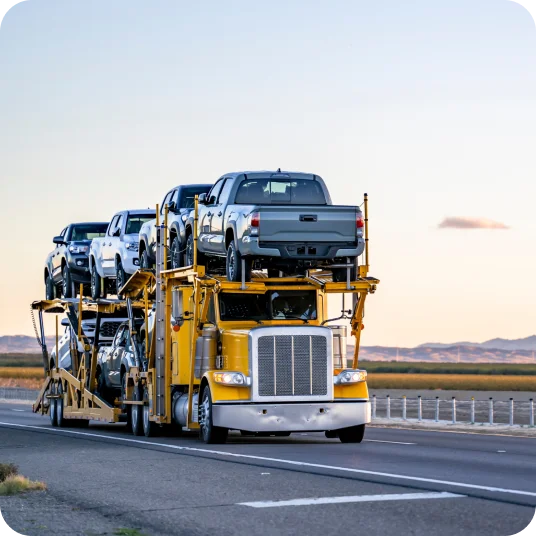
(471, 223)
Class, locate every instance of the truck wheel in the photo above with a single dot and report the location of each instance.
(209, 432)
(49, 286)
(96, 284)
(352, 434)
(120, 277)
(233, 265)
(176, 253)
(67, 290)
(137, 412)
(340, 274)
(149, 427)
(145, 263)
(52, 413)
(189, 255)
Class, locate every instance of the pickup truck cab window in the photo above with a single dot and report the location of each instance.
(187, 198)
(280, 192)
(214, 193)
(87, 231)
(113, 225)
(224, 193)
(166, 201)
(135, 221)
(119, 224)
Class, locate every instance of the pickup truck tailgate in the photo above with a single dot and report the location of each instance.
(295, 223)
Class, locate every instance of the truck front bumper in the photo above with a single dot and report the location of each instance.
(252, 246)
(291, 417)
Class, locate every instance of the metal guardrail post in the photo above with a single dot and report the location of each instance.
(511, 416)
(404, 408)
(531, 412)
(490, 410)
(388, 407)
(419, 408)
(436, 409)
(472, 410)
(373, 406)
(453, 410)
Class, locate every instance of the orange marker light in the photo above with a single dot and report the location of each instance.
(176, 327)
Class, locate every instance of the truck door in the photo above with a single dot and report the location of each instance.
(108, 263)
(217, 238)
(206, 212)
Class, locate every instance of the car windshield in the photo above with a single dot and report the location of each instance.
(88, 231)
(280, 192)
(273, 305)
(135, 222)
(188, 195)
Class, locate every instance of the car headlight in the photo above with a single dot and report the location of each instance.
(231, 378)
(350, 376)
(78, 249)
(132, 246)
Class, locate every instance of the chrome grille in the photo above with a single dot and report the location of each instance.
(292, 365)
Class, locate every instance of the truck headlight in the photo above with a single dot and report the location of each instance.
(78, 249)
(231, 378)
(132, 246)
(350, 376)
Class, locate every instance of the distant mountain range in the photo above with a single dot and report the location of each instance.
(492, 351)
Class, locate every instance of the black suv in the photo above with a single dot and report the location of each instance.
(68, 265)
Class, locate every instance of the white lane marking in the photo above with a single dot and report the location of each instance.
(18, 410)
(501, 451)
(393, 442)
(276, 460)
(354, 499)
(265, 473)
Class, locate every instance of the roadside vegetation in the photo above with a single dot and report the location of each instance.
(21, 360)
(423, 367)
(11, 483)
(27, 377)
(463, 382)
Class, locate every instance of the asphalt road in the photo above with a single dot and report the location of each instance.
(101, 479)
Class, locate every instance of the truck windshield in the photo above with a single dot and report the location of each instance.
(280, 192)
(135, 222)
(88, 231)
(273, 305)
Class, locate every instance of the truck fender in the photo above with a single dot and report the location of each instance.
(231, 226)
(93, 255)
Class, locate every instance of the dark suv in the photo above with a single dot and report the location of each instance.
(68, 265)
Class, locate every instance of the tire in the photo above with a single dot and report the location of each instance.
(175, 254)
(67, 289)
(145, 263)
(189, 253)
(96, 284)
(60, 421)
(233, 265)
(52, 413)
(339, 274)
(209, 433)
(136, 417)
(120, 278)
(50, 290)
(149, 427)
(127, 408)
(353, 434)
(331, 434)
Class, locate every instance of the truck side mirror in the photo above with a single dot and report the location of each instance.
(117, 232)
(172, 207)
(65, 322)
(202, 200)
(58, 240)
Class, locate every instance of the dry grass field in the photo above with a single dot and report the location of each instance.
(465, 382)
(27, 377)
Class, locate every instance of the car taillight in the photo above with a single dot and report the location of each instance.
(254, 222)
(359, 223)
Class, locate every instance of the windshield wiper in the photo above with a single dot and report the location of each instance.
(287, 317)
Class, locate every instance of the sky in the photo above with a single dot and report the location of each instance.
(428, 106)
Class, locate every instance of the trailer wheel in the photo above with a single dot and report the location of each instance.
(149, 427)
(233, 265)
(52, 413)
(60, 421)
(137, 412)
(209, 432)
(352, 434)
(49, 286)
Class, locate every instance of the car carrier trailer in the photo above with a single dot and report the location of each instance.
(260, 357)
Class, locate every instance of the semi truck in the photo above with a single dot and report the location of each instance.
(260, 356)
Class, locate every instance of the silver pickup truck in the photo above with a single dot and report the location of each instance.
(283, 220)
